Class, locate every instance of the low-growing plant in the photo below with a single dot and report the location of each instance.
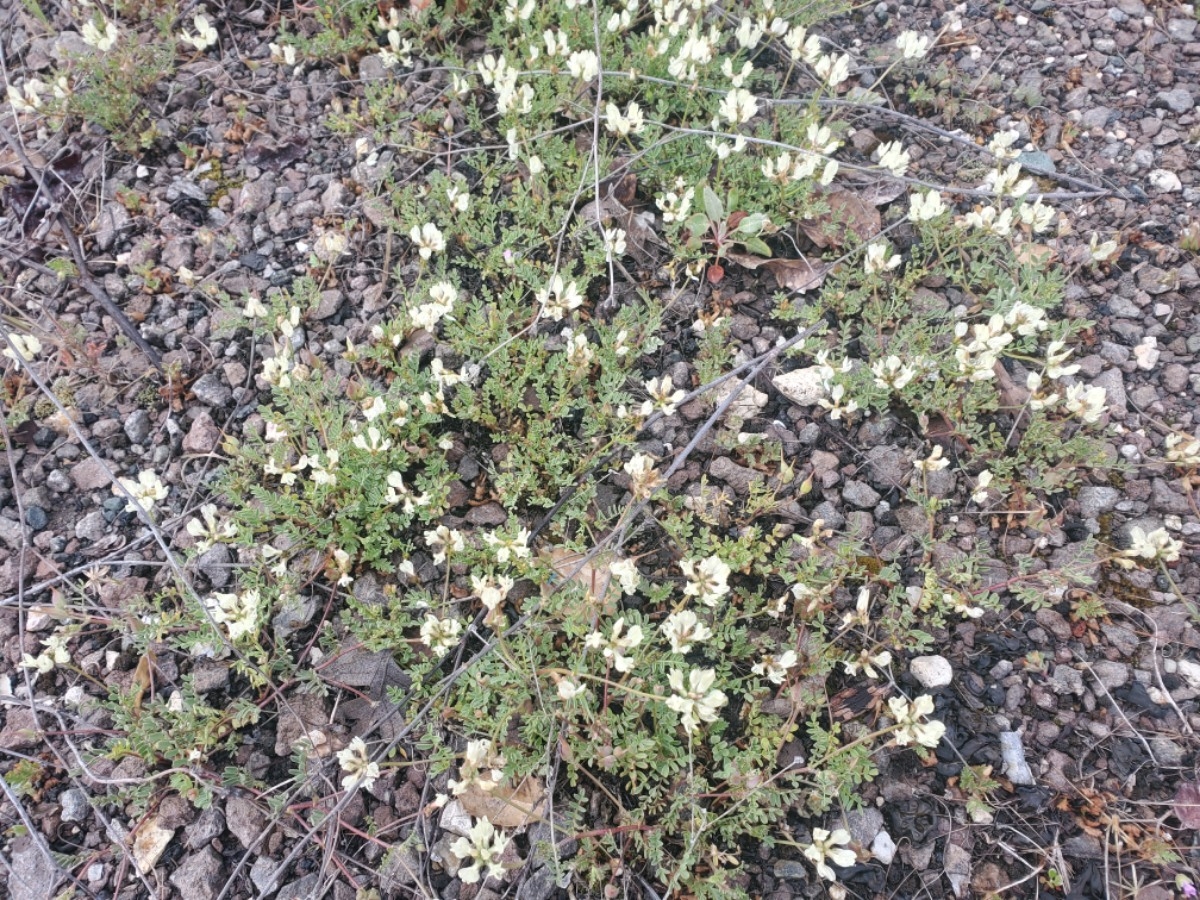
(597, 631)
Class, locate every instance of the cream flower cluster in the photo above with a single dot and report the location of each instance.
(708, 579)
(54, 653)
(237, 612)
(360, 771)
(614, 647)
(696, 700)
(482, 767)
(147, 489)
(484, 847)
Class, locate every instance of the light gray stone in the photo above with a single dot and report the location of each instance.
(1114, 388)
(265, 875)
(256, 196)
(74, 804)
(58, 481)
(1177, 100)
(1012, 752)
(1095, 499)
(538, 886)
(1067, 680)
(14, 534)
(932, 671)
(137, 426)
(114, 219)
(804, 387)
(863, 824)
(90, 475)
(209, 826)
(214, 563)
(1111, 674)
(33, 874)
(1165, 181)
(245, 820)
(401, 868)
(199, 876)
(860, 494)
(211, 391)
(883, 848)
(1166, 751)
(91, 527)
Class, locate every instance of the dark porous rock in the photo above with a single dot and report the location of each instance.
(490, 514)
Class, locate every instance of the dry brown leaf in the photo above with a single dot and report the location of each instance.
(1012, 395)
(613, 209)
(881, 191)
(847, 212)
(593, 575)
(505, 806)
(1035, 254)
(1187, 804)
(792, 274)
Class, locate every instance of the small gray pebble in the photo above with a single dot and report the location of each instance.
(137, 426)
(36, 518)
(210, 391)
(58, 481)
(112, 507)
(74, 805)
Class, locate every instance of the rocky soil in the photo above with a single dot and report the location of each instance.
(1089, 723)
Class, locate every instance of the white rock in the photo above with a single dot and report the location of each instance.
(1165, 181)
(803, 387)
(1012, 751)
(883, 848)
(1147, 353)
(748, 404)
(957, 863)
(1189, 671)
(455, 819)
(38, 621)
(149, 843)
(932, 671)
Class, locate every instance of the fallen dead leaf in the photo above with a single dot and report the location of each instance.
(1187, 804)
(1012, 395)
(593, 575)
(848, 213)
(1035, 254)
(505, 806)
(792, 274)
(881, 191)
(612, 210)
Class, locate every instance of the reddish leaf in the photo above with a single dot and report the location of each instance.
(1187, 804)
(792, 274)
(847, 213)
(715, 273)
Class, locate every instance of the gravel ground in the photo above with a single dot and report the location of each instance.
(1090, 725)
